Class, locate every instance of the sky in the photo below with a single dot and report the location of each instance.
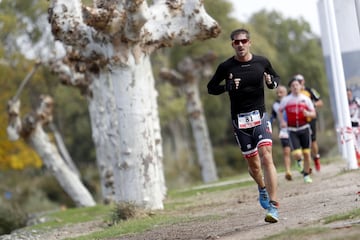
(307, 9)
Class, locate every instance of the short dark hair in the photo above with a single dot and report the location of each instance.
(238, 31)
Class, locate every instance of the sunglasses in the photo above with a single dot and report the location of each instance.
(238, 41)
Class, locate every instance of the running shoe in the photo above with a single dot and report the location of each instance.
(317, 163)
(300, 166)
(272, 215)
(264, 198)
(288, 176)
(307, 179)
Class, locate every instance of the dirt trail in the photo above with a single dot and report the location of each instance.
(236, 214)
(333, 191)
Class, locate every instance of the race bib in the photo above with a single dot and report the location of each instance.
(249, 120)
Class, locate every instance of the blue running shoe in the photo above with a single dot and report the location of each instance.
(264, 198)
(272, 215)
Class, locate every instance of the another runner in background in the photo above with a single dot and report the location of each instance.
(281, 92)
(298, 108)
(354, 108)
(318, 103)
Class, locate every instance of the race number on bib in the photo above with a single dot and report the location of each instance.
(249, 120)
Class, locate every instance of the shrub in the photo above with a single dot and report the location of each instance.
(123, 211)
(11, 218)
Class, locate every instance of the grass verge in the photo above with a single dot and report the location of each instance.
(177, 201)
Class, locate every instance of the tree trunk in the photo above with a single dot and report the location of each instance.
(157, 130)
(105, 133)
(67, 179)
(31, 130)
(200, 132)
(112, 42)
(189, 75)
(138, 169)
(63, 150)
(101, 102)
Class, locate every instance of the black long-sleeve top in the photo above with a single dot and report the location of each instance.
(250, 93)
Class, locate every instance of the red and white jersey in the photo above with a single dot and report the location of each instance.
(294, 107)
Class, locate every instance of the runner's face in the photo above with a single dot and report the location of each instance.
(281, 92)
(241, 45)
(349, 95)
(295, 87)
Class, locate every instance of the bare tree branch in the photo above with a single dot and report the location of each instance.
(26, 80)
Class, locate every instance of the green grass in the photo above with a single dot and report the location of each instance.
(354, 214)
(139, 225)
(74, 215)
(303, 233)
(177, 200)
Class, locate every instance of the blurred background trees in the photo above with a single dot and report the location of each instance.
(24, 32)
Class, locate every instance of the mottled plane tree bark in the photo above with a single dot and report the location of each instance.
(68, 75)
(187, 76)
(113, 41)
